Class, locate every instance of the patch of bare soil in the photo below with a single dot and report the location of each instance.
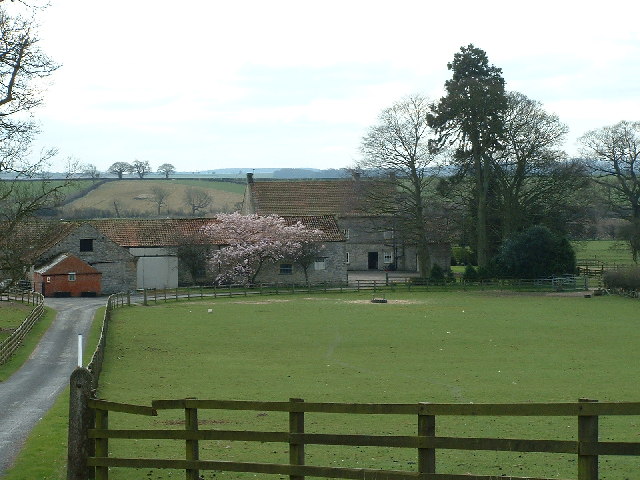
(392, 302)
(259, 302)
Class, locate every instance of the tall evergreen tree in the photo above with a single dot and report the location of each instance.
(470, 118)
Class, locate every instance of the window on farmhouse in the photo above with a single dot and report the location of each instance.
(388, 257)
(348, 258)
(320, 264)
(72, 276)
(286, 269)
(86, 244)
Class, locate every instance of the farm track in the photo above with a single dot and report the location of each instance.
(29, 393)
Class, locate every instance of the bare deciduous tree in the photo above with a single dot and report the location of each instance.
(534, 182)
(198, 200)
(397, 147)
(140, 168)
(159, 197)
(91, 171)
(166, 169)
(614, 154)
(22, 67)
(120, 168)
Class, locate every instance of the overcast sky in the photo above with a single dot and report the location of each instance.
(251, 84)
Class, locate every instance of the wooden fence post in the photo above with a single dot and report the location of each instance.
(587, 433)
(426, 456)
(192, 446)
(80, 420)
(102, 444)
(145, 301)
(296, 450)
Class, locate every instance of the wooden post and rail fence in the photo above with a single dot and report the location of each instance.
(90, 436)
(10, 344)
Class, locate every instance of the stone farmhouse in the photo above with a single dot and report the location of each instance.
(113, 255)
(372, 241)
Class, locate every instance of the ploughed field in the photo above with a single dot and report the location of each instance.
(482, 347)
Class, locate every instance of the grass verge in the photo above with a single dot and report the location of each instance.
(44, 456)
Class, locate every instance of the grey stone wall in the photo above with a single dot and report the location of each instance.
(117, 265)
(372, 246)
(334, 269)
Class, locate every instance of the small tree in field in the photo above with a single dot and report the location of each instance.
(119, 169)
(166, 169)
(251, 241)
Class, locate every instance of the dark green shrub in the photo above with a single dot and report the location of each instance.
(462, 255)
(485, 273)
(437, 274)
(625, 279)
(470, 274)
(535, 253)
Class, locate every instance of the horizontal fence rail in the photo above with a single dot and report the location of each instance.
(425, 442)
(13, 342)
(154, 296)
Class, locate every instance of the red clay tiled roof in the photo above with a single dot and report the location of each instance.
(326, 223)
(151, 233)
(64, 263)
(174, 231)
(319, 197)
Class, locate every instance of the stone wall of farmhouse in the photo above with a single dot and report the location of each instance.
(441, 255)
(371, 246)
(330, 268)
(117, 265)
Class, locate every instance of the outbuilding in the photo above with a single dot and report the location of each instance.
(67, 276)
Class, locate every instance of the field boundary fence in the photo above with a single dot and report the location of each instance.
(116, 300)
(10, 344)
(90, 437)
(591, 267)
(409, 284)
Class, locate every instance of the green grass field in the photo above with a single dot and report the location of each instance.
(436, 347)
(136, 196)
(230, 187)
(20, 312)
(611, 252)
(12, 314)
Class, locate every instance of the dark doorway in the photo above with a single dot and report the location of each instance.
(373, 261)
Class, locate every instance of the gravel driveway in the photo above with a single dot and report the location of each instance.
(31, 391)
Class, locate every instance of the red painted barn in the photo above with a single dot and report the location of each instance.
(67, 276)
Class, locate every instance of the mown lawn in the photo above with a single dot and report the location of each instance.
(435, 347)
